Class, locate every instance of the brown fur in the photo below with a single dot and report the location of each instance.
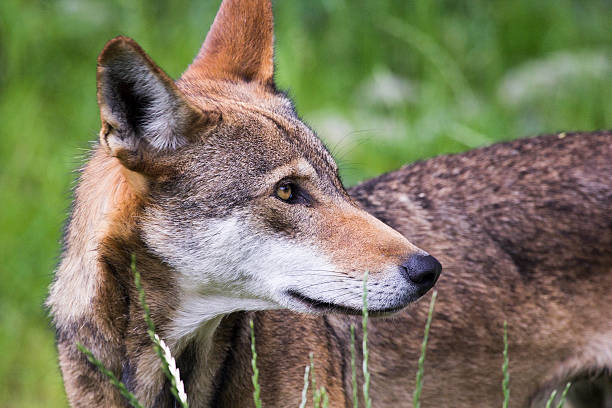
(524, 230)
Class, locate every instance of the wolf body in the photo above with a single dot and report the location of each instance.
(234, 210)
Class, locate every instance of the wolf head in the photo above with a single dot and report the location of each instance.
(240, 198)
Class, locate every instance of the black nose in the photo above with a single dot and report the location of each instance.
(422, 270)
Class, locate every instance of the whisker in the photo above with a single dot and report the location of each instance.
(348, 296)
(335, 275)
(333, 290)
(316, 284)
(318, 270)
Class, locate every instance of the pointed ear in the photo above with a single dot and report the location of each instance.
(239, 45)
(143, 113)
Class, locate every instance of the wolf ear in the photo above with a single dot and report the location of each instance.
(239, 45)
(143, 113)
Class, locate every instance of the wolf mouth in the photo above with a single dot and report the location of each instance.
(321, 306)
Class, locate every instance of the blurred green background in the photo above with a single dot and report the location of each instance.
(383, 82)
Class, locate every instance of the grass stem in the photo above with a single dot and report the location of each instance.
(305, 389)
(354, 369)
(564, 395)
(161, 349)
(111, 376)
(364, 322)
(416, 398)
(505, 370)
(255, 377)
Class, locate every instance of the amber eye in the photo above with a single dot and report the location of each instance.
(284, 192)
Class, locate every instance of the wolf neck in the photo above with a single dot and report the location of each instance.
(196, 312)
(202, 333)
(102, 188)
(207, 361)
(218, 355)
(199, 360)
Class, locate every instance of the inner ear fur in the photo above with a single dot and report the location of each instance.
(142, 111)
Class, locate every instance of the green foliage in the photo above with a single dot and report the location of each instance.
(472, 73)
(416, 398)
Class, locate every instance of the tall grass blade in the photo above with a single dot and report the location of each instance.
(320, 398)
(305, 389)
(506, 380)
(551, 399)
(161, 349)
(316, 393)
(364, 322)
(553, 394)
(324, 398)
(111, 376)
(354, 369)
(255, 377)
(564, 395)
(416, 398)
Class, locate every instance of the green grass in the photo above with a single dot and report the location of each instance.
(561, 403)
(320, 397)
(470, 74)
(131, 398)
(167, 362)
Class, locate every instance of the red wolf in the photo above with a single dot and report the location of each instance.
(234, 210)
